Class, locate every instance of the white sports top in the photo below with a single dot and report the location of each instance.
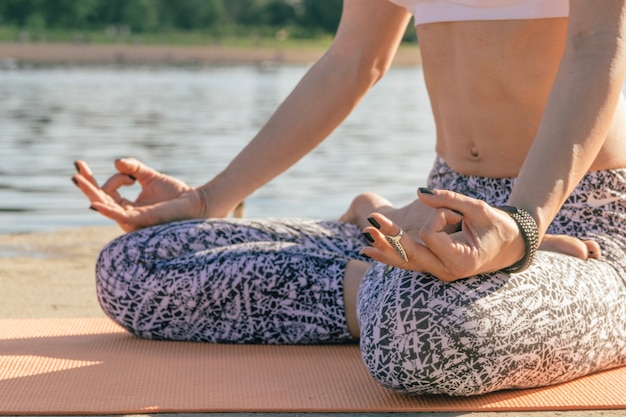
(429, 11)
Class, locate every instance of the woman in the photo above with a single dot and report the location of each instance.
(492, 279)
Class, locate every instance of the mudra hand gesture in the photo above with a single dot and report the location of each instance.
(487, 240)
(162, 198)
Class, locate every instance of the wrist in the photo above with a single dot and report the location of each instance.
(212, 203)
(529, 232)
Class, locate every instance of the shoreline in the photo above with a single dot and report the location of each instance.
(13, 55)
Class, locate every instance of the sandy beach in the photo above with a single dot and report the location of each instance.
(51, 274)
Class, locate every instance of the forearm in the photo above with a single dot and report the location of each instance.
(576, 120)
(320, 102)
(366, 41)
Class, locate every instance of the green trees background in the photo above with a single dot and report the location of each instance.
(174, 21)
(303, 18)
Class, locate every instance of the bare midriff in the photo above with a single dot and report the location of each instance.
(488, 95)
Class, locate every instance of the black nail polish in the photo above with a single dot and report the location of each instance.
(93, 208)
(368, 237)
(425, 190)
(77, 167)
(373, 222)
(75, 181)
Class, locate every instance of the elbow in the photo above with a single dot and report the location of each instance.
(373, 69)
(600, 46)
(360, 68)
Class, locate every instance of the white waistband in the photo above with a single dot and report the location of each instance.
(430, 11)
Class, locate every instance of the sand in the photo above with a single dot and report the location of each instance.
(51, 274)
(52, 53)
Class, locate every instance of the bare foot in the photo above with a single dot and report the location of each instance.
(582, 249)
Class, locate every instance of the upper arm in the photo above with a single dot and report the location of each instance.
(370, 31)
(598, 29)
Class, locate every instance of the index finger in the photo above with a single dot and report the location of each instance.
(83, 169)
(135, 169)
(90, 189)
(459, 203)
(115, 182)
(420, 258)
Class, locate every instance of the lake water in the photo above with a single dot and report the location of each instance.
(190, 123)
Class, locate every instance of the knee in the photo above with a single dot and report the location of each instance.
(394, 357)
(416, 353)
(114, 262)
(108, 276)
(114, 266)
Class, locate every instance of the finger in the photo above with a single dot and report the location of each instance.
(83, 169)
(455, 252)
(434, 231)
(91, 191)
(419, 257)
(381, 250)
(383, 224)
(127, 220)
(115, 182)
(392, 233)
(460, 203)
(135, 169)
(379, 236)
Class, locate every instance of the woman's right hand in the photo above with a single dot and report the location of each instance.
(162, 198)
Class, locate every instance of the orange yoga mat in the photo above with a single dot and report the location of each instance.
(91, 366)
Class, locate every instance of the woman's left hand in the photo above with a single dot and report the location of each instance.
(488, 241)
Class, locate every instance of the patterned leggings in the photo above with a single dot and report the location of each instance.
(281, 281)
(560, 319)
(231, 281)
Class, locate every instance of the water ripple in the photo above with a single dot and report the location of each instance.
(190, 124)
